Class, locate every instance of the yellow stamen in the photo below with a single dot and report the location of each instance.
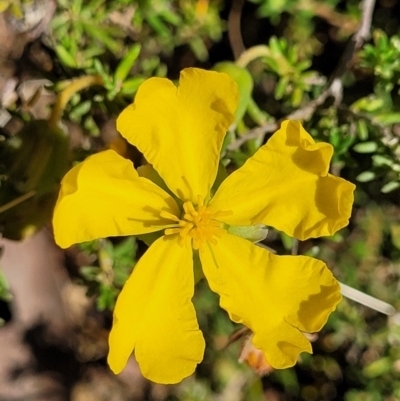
(169, 216)
(198, 225)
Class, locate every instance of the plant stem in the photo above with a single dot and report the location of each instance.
(63, 98)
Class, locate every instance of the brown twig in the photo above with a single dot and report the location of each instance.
(234, 28)
(334, 84)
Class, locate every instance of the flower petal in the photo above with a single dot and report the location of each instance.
(274, 296)
(155, 316)
(180, 130)
(104, 196)
(286, 185)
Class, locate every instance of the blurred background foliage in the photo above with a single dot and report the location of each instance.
(334, 65)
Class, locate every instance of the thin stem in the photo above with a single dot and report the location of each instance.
(17, 201)
(251, 54)
(63, 98)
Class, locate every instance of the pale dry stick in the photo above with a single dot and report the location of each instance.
(334, 85)
(251, 54)
(367, 300)
(17, 201)
(356, 295)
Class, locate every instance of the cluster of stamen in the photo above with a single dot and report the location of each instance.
(196, 226)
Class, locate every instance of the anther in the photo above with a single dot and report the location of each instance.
(169, 216)
(197, 225)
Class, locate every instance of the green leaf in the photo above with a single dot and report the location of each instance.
(245, 84)
(365, 147)
(287, 241)
(362, 130)
(199, 48)
(370, 104)
(102, 35)
(380, 160)
(76, 6)
(297, 96)
(126, 64)
(259, 116)
(366, 176)
(81, 109)
(130, 86)
(378, 368)
(65, 56)
(388, 118)
(275, 47)
(390, 186)
(281, 87)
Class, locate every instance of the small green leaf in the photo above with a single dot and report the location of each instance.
(245, 84)
(281, 87)
(380, 160)
(362, 130)
(199, 48)
(81, 109)
(366, 176)
(65, 56)
(388, 118)
(390, 186)
(275, 47)
(127, 63)
(287, 241)
(365, 147)
(130, 86)
(297, 96)
(378, 368)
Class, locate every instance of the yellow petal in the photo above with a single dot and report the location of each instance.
(155, 317)
(104, 196)
(180, 130)
(274, 296)
(286, 185)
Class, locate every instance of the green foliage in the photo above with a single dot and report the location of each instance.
(82, 33)
(114, 264)
(382, 56)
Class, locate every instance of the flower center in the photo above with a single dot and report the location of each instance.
(197, 225)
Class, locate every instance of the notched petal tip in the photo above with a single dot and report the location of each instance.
(322, 299)
(276, 297)
(286, 343)
(180, 129)
(315, 311)
(286, 185)
(334, 199)
(310, 156)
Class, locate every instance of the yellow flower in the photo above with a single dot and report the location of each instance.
(286, 185)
